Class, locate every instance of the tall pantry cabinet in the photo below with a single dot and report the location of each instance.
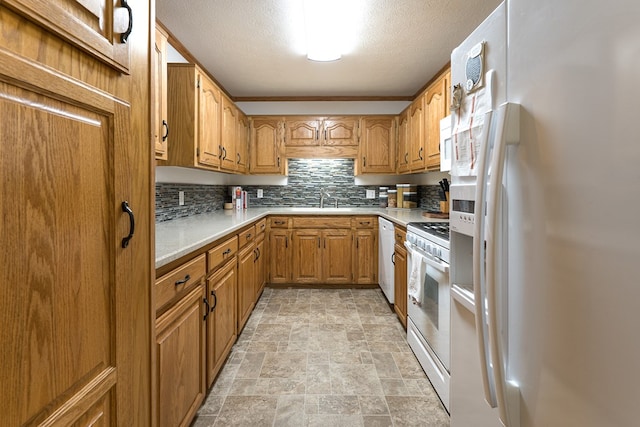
(75, 168)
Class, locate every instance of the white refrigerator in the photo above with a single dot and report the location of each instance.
(545, 217)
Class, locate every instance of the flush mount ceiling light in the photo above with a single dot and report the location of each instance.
(329, 27)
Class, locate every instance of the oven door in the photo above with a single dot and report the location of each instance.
(431, 317)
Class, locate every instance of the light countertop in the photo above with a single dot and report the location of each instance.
(179, 237)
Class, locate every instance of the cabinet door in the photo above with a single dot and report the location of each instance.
(417, 135)
(377, 145)
(403, 142)
(95, 26)
(336, 256)
(246, 284)
(261, 260)
(265, 146)
(436, 110)
(209, 106)
(400, 285)
(180, 359)
(340, 131)
(306, 262)
(221, 324)
(366, 256)
(69, 158)
(160, 124)
(242, 144)
(279, 256)
(229, 157)
(302, 133)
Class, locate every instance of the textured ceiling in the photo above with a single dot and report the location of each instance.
(253, 47)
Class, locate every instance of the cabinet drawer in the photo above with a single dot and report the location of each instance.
(221, 253)
(365, 221)
(261, 226)
(247, 235)
(174, 282)
(279, 222)
(322, 222)
(400, 235)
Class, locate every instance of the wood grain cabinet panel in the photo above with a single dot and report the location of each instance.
(95, 26)
(306, 260)
(180, 353)
(194, 111)
(417, 134)
(246, 284)
(279, 256)
(340, 131)
(221, 323)
(400, 282)
(242, 143)
(229, 158)
(377, 145)
(69, 159)
(436, 107)
(337, 265)
(266, 145)
(160, 107)
(404, 139)
(366, 256)
(302, 132)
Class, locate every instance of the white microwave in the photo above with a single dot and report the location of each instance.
(445, 144)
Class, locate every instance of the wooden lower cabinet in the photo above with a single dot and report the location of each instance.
(306, 262)
(337, 257)
(246, 284)
(221, 323)
(279, 256)
(180, 352)
(400, 283)
(365, 264)
(261, 265)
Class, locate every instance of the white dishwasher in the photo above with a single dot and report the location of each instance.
(386, 242)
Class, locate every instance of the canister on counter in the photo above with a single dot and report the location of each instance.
(401, 189)
(410, 199)
(393, 199)
(383, 197)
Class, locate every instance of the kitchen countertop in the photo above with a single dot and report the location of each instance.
(179, 237)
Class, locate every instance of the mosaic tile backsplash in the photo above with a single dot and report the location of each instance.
(306, 178)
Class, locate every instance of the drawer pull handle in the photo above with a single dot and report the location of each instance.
(248, 236)
(279, 222)
(215, 301)
(365, 222)
(393, 258)
(227, 252)
(183, 281)
(124, 36)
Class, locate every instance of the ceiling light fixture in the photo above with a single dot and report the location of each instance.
(325, 22)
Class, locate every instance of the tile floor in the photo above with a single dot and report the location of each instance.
(322, 357)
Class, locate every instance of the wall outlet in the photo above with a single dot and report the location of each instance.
(180, 198)
(371, 194)
(260, 193)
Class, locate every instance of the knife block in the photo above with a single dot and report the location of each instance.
(444, 204)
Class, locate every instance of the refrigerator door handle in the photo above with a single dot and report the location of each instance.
(479, 283)
(507, 131)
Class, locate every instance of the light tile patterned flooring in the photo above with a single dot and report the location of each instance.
(322, 357)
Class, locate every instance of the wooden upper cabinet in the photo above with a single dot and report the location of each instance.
(99, 27)
(340, 131)
(417, 134)
(242, 143)
(265, 146)
(302, 132)
(209, 147)
(160, 124)
(436, 107)
(403, 142)
(377, 145)
(194, 111)
(228, 161)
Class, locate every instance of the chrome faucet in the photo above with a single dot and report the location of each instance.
(325, 194)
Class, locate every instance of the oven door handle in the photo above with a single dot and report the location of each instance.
(428, 258)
